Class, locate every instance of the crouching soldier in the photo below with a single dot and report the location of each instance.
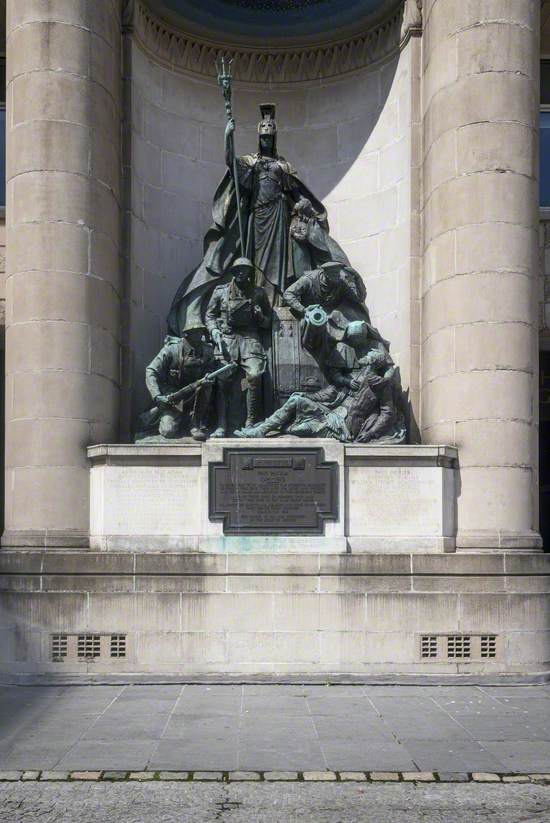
(180, 364)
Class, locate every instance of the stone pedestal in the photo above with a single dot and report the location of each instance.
(155, 498)
(309, 616)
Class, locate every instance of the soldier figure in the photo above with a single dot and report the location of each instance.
(358, 406)
(181, 362)
(337, 289)
(236, 314)
(332, 286)
(338, 413)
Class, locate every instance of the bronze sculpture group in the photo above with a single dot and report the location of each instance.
(274, 298)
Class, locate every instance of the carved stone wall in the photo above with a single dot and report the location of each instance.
(264, 64)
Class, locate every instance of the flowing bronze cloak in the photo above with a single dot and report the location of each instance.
(278, 242)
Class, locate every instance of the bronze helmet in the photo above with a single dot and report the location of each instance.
(267, 124)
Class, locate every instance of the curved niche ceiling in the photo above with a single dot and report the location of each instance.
(273, 20)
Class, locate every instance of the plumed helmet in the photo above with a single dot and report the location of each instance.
(267, 124)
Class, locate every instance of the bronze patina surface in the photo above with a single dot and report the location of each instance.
(273, 491)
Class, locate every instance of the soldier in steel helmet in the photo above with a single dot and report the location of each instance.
(236, 314)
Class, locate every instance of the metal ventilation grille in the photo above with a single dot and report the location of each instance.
(59, 647)
(428, 646)
(89, 646)
(118, 645)
(488, 646)
(459, 646)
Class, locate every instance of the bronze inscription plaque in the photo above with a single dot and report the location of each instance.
(273, 491)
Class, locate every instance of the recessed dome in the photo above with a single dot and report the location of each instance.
(274, 20)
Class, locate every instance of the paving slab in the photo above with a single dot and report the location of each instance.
(273, 728)
(540, 778)
(265, 759)
(240, 776)
(173, 775)
(9, 776)
(32, 755)
(520, 755)
(208, 776)
(386, 777)
(190, 754)
(30, 775)
(485, 777)
(47, 775)
(123, 754)
(510, 727)
(143, 727)
(366, 755)
(319, 776)
(453, 756)
(419, 777)
(281, 776)
(85, 776)
(354, 777)
(453, 777)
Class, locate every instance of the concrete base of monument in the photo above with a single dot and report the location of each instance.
(276, 495)
(194, 571)
(315, 616)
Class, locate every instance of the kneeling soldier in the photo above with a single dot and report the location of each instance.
(180, 363)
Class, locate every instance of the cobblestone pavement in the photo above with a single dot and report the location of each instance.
(458, 729)
(272, 803)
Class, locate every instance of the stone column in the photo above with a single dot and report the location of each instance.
(479, 318)
(63, 222)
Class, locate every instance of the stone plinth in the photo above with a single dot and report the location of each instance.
(310, 615)
(389, 498)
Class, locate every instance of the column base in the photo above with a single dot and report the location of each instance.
(489, 541)
(45, 539)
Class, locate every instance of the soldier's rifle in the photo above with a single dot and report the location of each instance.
(151, 417)
(187, 391)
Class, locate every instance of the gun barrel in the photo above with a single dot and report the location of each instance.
(313, 327)
(227, 367)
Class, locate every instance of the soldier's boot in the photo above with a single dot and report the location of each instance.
(253, 403)
(221, 414)
(272, 424)
(199, 428)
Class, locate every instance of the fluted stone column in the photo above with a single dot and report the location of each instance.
(62, 345)
(479, 329)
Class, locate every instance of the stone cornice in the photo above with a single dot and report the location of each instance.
(188, 52)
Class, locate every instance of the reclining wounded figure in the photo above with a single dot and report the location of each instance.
(358, 405)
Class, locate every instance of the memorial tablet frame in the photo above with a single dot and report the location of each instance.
(296, 459)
